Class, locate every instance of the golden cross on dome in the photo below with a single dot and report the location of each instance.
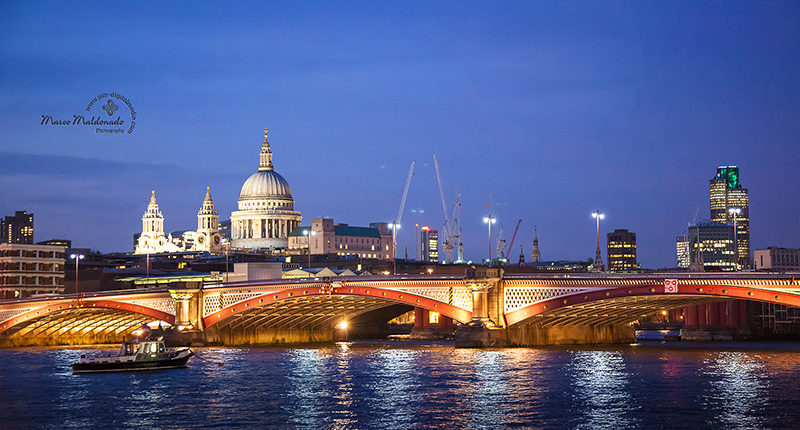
(266, 130)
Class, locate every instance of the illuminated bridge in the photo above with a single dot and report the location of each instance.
(531, 309)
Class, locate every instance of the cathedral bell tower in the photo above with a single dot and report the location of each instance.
(208, 237)
(152, 239)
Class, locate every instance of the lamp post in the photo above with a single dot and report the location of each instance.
(308, 233)
(489, 220)
(227, 251)
(735, 212)
(77, 258)
(598, 258)
(394, 226)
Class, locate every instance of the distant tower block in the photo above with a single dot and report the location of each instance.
(726, 193)
(536, 256)
(521, 255)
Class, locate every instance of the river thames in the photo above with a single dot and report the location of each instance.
(415, 385)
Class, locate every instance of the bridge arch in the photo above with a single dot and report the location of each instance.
(81, 317)
(371, 298)
(626, 303)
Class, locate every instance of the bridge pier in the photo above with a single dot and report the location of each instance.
(536, 335)
(188, 327)
(264, 336)
(488, 327)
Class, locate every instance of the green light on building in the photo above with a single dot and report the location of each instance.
(730, 174)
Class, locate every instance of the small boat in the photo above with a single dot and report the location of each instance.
(136, 355)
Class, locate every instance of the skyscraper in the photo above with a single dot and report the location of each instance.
(17, 228)
(730, 203)
(682, 251)
(711, 245)
(621, 246)
(428, 245)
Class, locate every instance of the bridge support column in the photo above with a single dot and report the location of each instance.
(487, 328)
(418, 317)
(480, 304)
(742, 305)
(445, 322)
(690, 316)
(188, 327)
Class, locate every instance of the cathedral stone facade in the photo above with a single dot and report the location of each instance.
(152, 240)
(264, 220)
(208, 236)
(266, 212)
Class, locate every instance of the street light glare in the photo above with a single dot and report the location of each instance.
(342, 325)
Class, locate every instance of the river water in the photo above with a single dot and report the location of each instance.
(415, 385)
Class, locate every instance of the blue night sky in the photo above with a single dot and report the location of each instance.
(555, 108)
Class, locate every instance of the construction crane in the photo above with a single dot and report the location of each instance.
(514, 236)
(449, 228)
(455, 229)
(501, 243)
(396, 223)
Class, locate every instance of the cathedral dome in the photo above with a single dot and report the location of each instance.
(265, 184)
(266, 212)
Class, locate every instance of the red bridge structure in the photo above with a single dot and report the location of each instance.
(485, 307)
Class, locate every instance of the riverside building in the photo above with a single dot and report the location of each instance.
(427, 245)
(621, 250)
(27, 270)
(711, 246)
(17, 228)
(778, 259)
(327, 237)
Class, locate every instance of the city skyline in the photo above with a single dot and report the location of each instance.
(627, 111)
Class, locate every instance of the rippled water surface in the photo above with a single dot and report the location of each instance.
(408, 385)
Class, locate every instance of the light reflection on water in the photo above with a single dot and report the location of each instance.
(306, 385)
(488, 391)
(411, 385)
(600, 381)
(738, 387)
(395, 375)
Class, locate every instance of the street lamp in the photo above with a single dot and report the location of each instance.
(394, 226)
(735, 212)
(598, 258)
(308, 233)
(77, 258)
(489, 219)
(227, 243)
